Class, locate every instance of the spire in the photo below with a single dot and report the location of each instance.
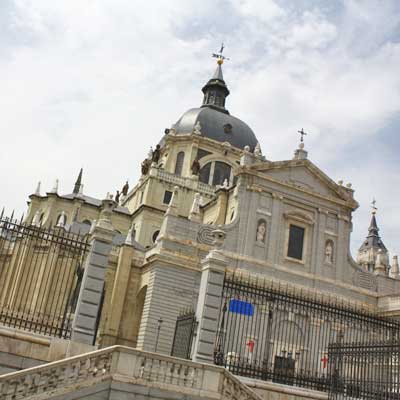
(37, 191)
(373, 247)
(218, 73)
(373, 239)
(78, 182)
(215, 91)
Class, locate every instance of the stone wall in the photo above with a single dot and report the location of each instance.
(274, 391)
(20, 350)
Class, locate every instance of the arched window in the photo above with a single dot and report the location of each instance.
(87, 222)
(222, 171)
(204, 175)
(179, 163)
(155, 236)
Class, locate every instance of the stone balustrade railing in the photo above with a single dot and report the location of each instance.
(195, 184)
(48, 377)
(127, 365)
(204, 188)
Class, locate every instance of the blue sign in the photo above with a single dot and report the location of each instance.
(241, 307)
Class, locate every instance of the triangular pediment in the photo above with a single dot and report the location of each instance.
(303, 174)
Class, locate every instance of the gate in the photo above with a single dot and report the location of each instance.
(367, 371)
(184, 333)
(282, 333)
(40, 275)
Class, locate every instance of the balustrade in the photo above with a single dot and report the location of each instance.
(177, 375)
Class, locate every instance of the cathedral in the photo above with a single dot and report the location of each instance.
(214, 235)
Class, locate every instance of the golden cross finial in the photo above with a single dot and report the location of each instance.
(219, 56)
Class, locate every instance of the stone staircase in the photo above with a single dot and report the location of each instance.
(120, 373)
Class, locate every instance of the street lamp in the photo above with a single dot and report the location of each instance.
(159, 323)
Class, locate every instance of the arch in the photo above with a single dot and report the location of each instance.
(179, 163)
(222, 171)
(61, 218)
(87, 222)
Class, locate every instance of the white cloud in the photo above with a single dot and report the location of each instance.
(265, 10)
(94, 84)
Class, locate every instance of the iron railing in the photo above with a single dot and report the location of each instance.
(364, 370)
(281, 333)
(184, 333)
(40, 275)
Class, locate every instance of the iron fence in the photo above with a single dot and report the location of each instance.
(40, 275)
(277, 333)
(365, 370)
(184, 333)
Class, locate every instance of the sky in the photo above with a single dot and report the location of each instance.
(94, 83)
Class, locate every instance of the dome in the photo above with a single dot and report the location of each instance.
(213, 120)
(217, 125)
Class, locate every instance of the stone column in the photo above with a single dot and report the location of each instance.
(208, 306)
(84, 324)
(121, 281)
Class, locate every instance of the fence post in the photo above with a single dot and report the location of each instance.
(209, 302)
(89, 301)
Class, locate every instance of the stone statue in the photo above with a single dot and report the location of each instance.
(117, 196)
(62, 220)
(155, 157)
(329, 252)
(257, 150)
(261, 231)
(197, 128)
(195, 167)
(145, 166)
(125, 189)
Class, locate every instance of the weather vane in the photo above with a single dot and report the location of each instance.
(373, 205)
(302, 133)
(219, 56)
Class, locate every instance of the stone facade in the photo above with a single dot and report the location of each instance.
(153, 251)
(255, 206)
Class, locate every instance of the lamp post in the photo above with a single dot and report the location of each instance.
(159, 323)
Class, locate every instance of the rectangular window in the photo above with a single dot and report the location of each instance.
(167, 197)
(296, 242)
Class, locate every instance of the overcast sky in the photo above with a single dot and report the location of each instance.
(94, 83)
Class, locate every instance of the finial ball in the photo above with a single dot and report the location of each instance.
(220, 61)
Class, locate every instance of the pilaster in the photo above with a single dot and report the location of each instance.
(208, 306)
(89, 301)
(121, 281)
(274, 233)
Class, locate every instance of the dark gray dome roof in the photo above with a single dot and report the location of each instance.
(213, 125)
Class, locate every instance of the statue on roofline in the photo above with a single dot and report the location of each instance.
(155, 157)
(125, 189)
(145, 166)
(195, 167)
